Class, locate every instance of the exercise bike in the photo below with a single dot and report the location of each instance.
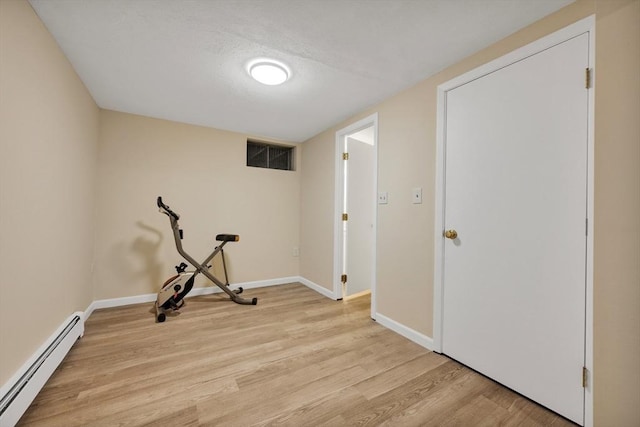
(171, 296)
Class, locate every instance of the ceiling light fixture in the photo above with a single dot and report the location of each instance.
(269, 72)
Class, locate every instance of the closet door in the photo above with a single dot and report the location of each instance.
(516, 194)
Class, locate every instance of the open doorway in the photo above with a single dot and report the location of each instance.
(356, 213)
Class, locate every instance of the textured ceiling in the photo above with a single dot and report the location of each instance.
(185, 60)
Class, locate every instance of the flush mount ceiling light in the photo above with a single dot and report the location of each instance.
(269, 72)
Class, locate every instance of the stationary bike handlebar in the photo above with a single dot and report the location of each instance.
(165, 209)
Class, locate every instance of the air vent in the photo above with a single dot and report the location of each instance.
(269, 156)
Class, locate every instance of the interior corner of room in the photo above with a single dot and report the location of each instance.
(80, 230)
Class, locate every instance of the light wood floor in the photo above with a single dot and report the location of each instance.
(297, 359)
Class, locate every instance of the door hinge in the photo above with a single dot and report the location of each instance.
(585, 376)
(345, 156)
(345, 217)
(587, 78)
(343, 278)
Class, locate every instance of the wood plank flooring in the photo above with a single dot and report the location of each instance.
(295, 359)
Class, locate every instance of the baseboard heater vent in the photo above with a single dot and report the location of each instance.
(27, 383)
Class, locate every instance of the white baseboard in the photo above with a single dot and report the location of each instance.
(118, 302)
(204, 290)
(208, 290)
(320, 289)
(265, 283)
(415, 336)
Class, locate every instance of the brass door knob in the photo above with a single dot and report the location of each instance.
(451, 234)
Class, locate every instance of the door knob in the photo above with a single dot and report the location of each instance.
(451, 234)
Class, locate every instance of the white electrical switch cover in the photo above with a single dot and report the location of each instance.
(416, 195)
(383, 198)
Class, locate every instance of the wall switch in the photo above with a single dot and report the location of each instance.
(296, 251)
(383, 198)
(416, 195)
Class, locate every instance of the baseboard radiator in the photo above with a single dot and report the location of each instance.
(20, 391)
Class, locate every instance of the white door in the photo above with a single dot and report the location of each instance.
(360, 206)
(516, 193)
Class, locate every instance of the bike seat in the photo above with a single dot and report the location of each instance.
(227, 237)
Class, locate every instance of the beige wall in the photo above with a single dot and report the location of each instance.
(202, 174)
(48, 142)
(407, 126)
(617, 215)
(317, 210)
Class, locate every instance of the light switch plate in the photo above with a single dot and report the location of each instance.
(383, 198)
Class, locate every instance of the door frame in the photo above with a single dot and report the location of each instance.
(586, 25)
(369, 121)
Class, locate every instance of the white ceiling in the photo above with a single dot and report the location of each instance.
(185, 60)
